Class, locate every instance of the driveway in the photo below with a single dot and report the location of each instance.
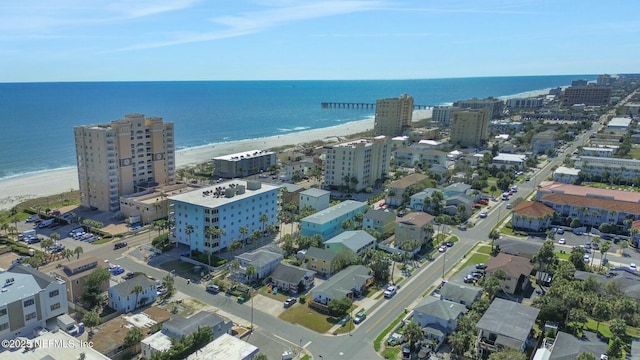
(268, 305)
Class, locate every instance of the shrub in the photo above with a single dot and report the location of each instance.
(303, 299)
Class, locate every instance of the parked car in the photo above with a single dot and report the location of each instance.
(481, 266)
(129, 275)
(468, 279)
(396, 339)
(449, 243)
(483, 214)
(483, 201)
(633, 267)
(390, 291)
(212, 288)
(562, 241)
(119, 245)
(560, 231)
(289, 302)
(586, 258)
(359, 317)
(117, 271)
(509, 206)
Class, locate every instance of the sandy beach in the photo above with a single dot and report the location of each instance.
(17, 189)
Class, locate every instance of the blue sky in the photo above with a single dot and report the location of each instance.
(120, 40)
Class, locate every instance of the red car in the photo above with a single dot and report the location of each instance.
(483, 202)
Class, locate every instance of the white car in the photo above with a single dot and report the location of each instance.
(586, 258)
(562, 241)
(483, 214)
(633, 267)
(442, 249)
(390, 291)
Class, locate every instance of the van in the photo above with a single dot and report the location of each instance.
(213, 289)
(46, 223)
(505, 196)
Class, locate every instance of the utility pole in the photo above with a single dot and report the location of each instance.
(444, 261)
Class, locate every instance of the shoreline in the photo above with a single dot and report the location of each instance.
(19, 188)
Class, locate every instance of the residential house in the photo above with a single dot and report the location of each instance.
(422, 201)
(458, 205)
(29, 300)
(625, 279)
(543, 142)
(460, 293)
(328, 222)
(226, 347)
(437, 318)
(316, 198)
(290, 193)
(532, 216)
(180, 326)
(354, 240)
(320, 261)
(457, 189)
(510, 160)
(123, 298)
(566, 175)
(75, 274)
(415, 226)
(264, 260)
(350, 283)
(381, 220)
(506, 324)
(289, 278)
(517, 269)
(399, 191)
(567, 346)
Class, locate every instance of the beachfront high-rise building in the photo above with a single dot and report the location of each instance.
(494, 106)
(243, 164)
(228, 209)
(469, 127)
(392, 115)
(589, 95)
(442, 114)
(123, 157)
(357, 164)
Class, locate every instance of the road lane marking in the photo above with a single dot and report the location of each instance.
(411, 292)
(307, 344)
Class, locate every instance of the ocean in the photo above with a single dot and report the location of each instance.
(37, 119)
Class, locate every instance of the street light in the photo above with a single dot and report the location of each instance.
(444, 261)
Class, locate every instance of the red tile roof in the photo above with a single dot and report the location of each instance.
(569, 189)
(533, 209)
(582, 201)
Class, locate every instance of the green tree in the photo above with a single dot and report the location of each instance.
(250, 272)
(137, 290)
(623, 245)
(459, 342)
(545, 257)
(78, 251)
(508, 354)
(339, 307)
(55, 236)
(343, 259)
(92, 287)
(133, 337)
(91, 319)
(586, 356)
(493, 285)
(618, 328)
(260, 356)
(244, 230)
(67, 253)
(235, 245)
(46, 244)
(601, 312)
(413, 332)
(169, 283)
(264, 219)
(577, 258)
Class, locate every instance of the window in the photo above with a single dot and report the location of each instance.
(3, 312)
(55, 306)
(54, 293)
(28, 302)
(30, 316)
(4, 326)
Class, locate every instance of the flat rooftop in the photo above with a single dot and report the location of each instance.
(160, 193)
(244, 155)
(225, 347)
(198, 197)
(619, 122)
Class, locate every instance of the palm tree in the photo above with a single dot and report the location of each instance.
(137, 290)
(78, 251)
(251, 270)
(235, 245)
(244, 230)
(67, 253)
(263, 219)
(189, 230)
(414, 333)
(46, 244)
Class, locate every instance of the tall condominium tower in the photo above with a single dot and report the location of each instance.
(469, 127)
(392, 115)
(357, 164)
(123, 157)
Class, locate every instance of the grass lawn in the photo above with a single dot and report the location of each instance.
(605, 331)
(474, 259)
(564, 256)
(279, 296)
(104, 240)
(303, 315)
(505, 230)
(306, 357)
(635, 153)
(378, 341)
(391, 352)
(454, 238)
(183, 269)
(485, 249)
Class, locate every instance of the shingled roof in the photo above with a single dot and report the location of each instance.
(533, 209)
(514, 266)
(581, 201)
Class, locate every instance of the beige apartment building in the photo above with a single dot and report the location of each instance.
(469, 127)
(363, 162)
(392, 115)
(123, 157)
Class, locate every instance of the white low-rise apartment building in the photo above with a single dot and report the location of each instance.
(228, 208)
(600, 167)
(29, 300)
